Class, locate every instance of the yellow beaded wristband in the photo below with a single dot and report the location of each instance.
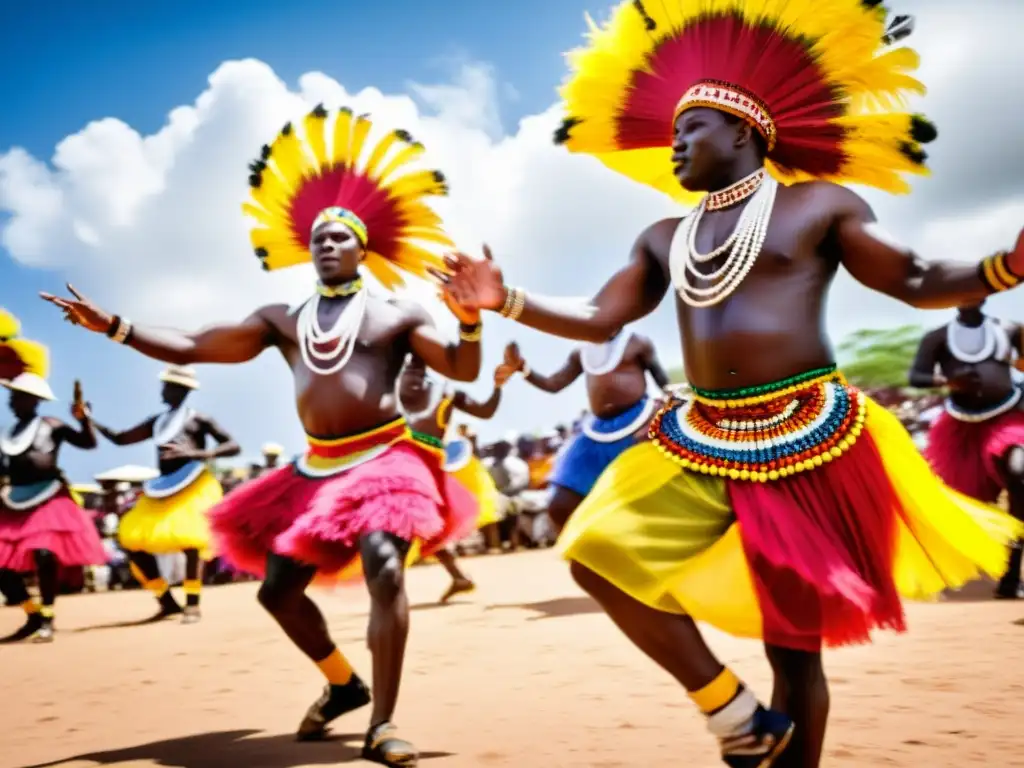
(471, 332)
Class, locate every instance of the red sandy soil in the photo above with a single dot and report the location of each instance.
(525, 672)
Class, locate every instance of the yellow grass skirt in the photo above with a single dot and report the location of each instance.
(679, 542)
(478, 481)
(174, 523)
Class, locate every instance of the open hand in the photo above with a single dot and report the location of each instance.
(1015, 258)
(471, 283)
(513, 357)
(80, 410)
(81, 311)
(503, 373)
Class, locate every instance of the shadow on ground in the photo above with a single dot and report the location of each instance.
(220, 749)
(979, 591)
(553, 609)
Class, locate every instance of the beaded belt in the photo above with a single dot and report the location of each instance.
(326, 457)
(766, 432)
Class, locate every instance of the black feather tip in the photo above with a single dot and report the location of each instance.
(404, 136)
(900, 28)
(287, 130)
(319, 111)
(913, 153)
(439, 177)
(871, 3)
(345, 110)
(648, 21)
(256, 169)
(261, 253)
(562, 133)
(923, 130)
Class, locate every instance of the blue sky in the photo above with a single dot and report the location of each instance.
(135, 61)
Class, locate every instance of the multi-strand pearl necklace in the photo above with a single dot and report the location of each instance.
(744, 244)
(339, 340)
(15, 445)
(993, 341)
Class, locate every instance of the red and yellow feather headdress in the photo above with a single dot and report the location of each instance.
(819, 79)
(296, 179)
(18, 355)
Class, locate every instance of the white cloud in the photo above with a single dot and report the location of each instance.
(151, 225)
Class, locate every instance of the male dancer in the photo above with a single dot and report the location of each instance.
(616, 375)
(170, 516)
(429, 417)
(769, 502)
(41, 526)
(364, 491)
(977, 444)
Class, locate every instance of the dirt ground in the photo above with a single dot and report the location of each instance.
(525, 672)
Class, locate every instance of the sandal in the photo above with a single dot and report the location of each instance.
(335, 701)
(383, 746)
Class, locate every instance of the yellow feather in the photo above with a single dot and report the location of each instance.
(403, 157)
(428, 234)
(286, 256)
(384, 271)
(417, 260)
(315, 128)
(360, 130)
(288, 158)
(414, 185)
(34, 355)
(9, 325)
(342, 139)
(379, 152)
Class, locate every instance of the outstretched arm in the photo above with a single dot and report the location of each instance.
(877, 261)
(83, 438)
(459, 361)
(633, 292)
(922, 372)
(653, 365)
(482, 410)
(226, 343)
(558, 380)
(137, 434)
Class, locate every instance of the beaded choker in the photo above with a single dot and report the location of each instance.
(794, 427)
(345, 289)
(735, 193)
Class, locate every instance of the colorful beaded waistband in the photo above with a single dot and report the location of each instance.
(330, 456)
(786, 428)
(764, 392)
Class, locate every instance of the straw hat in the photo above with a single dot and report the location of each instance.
(272, 449)
(183, 376)
(31, 384)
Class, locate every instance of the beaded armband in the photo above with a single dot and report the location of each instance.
(996, 274)
(120, 329)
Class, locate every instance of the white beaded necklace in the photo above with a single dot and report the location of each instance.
(340, 338)
(15, 445)
(599, 359)
(744, 246)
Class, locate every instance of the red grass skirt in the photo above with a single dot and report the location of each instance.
(58, 525)
(966, 455)
(319, 521)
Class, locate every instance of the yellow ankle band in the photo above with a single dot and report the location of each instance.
(30, 606)
(192, 586)
(717, 693)
(46, 611)
(157, 586)
(336, 668)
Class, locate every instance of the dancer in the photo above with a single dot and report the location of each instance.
(977, 444)
(778, 502)
(428, 409)
(41, 527)
(364, 491)
(616, 375)
(170, 515)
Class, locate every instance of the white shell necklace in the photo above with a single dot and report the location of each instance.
(340, 338)
(433, 400)
(744, 246)
(993, 342)
(599, 359)
(15, 445)
(170, 424)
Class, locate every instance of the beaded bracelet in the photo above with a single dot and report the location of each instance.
(996, 275)
(515, 302)
(120, 329)
(471, 332)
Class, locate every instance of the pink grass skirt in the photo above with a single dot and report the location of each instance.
(58, 525)
(966, 455)
(319, 521)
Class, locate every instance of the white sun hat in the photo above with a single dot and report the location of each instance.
(30, 384)
(182, 375)
(272, 449)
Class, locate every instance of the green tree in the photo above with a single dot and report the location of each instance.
(879, 358)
